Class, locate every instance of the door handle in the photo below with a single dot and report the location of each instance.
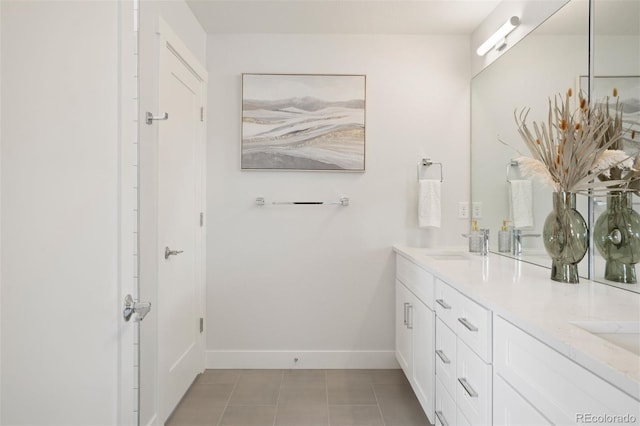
(131, 307)
(168, 252)
(149, 117)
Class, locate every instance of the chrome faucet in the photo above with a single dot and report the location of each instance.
(484, 248)
(516, 241)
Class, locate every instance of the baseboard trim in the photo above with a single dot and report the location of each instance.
(305, 359)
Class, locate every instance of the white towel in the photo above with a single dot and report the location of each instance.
(521, 203)
(429, 203)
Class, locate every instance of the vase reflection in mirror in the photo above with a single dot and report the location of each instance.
(617, 238)
(566, 238)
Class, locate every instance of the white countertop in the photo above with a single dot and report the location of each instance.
(524, 295)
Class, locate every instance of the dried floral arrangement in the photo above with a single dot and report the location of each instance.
(574, 147)
(613, 132)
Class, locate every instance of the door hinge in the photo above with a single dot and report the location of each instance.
(201, 219)
(201, 113)
(201, 325)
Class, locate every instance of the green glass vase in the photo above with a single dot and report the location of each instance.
(566, 238)
(617, 238)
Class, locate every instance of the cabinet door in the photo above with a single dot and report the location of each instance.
(445, 407)
(473, 393)
(403, 333)
(509, 408)
(423, 333)
(445, 349)
(565, 392)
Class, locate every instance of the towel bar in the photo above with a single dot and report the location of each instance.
(343, 201)
(426, 162)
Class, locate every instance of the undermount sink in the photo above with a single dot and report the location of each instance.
(625, 334)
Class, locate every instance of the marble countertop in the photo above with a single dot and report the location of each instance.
(525, 295)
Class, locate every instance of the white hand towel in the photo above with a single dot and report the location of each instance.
(521, 203)
(429, 203)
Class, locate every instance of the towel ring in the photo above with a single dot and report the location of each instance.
(426, 162)
(512, 163)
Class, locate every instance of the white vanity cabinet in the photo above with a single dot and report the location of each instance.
(415, 329)
(535, 384)
(463, 358)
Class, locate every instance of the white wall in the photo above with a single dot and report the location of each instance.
(59, 264)
(283, 280)
(179, 17)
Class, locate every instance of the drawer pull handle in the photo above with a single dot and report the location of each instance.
(444, 304)
(410, 316)
(442, 356)
(406, 304)
(467, 387)
(440, 417)
(467, 324)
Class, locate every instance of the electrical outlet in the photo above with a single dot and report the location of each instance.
(463, 210)
(476, 210)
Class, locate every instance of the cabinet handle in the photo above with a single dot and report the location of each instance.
(442, 356)
(467, 324)
(406, 305)
(444, 304)
(410, 316)
(440, 417)
(467, 387)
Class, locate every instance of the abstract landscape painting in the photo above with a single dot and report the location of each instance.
(303, 122)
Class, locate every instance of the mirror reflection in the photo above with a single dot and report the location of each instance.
(513, 207)
(616, 66)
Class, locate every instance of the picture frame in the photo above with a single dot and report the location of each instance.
(309, 122)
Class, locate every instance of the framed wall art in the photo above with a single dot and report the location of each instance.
(303, 122)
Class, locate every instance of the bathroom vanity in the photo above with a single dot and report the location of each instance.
(492, 340)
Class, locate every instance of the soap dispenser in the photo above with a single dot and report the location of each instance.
(504, 238)
(475, 238)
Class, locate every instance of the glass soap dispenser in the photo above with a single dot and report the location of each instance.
(504, 238)
(475, 238)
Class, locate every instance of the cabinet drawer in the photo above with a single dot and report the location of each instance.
(473, 391)
(419, 281)
(445, 407)
(446, 303)
(445, 356)
(473, 326)
(511, 409)
(552, 383)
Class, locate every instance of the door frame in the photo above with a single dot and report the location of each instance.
(127, 364)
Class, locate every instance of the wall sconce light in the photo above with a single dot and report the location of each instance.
(498, 39)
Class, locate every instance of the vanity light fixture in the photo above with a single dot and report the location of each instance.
(499, 37)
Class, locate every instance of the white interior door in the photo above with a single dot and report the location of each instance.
(180, 227)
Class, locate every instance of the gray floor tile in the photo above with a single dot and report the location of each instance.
(248, 415)
(255, 394)
(344, 377)
(215, 377)
(199, 395)
(389, 377)
(351, 394)
(200, 415)
(261, 376)
(355, 415)
(399, 406)
(305, 377)
(303, 394)
(293, 414)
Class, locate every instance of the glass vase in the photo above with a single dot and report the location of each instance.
(566, 237)
(617, 238)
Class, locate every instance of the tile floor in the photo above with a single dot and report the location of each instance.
(299, 398)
